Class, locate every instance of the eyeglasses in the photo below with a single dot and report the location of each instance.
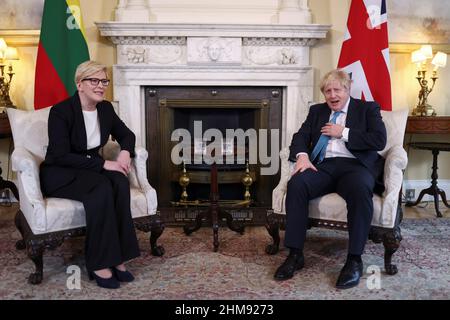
(96, 81)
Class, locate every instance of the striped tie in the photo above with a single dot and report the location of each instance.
(321, 145)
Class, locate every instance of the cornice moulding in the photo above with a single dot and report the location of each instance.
(20, 38)
(121, 29)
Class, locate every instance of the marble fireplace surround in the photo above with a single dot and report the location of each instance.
(152, 54)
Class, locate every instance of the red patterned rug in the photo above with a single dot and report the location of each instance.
(240, 269)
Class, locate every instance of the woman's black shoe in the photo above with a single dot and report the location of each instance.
(108, 283)
(123, 276)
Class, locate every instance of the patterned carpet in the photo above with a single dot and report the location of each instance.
(240, 270)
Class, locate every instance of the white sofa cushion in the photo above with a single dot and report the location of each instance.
(395, 122)
(29, 129)
(332, 207)
(64, 214)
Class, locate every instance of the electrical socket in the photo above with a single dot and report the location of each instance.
(410, 194)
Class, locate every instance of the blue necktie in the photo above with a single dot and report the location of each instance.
(321, 145)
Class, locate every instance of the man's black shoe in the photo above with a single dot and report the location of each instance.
(294, 262)
(350, 274)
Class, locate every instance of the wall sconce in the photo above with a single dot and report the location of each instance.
(6, 54)
(420, 57)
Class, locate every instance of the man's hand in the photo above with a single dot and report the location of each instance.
(332, 130)
(114, 166)
(124, 160)
(303, 164)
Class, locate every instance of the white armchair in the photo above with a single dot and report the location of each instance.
(330, 210)
(45, 223)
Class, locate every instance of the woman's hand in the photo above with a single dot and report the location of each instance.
(114, 166)
(124, 160)
(303, 164)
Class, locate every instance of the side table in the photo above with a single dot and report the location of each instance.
(5, 132)
(428, 125)
(433, 190)
(214, 213)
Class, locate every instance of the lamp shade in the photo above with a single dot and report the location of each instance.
(440, 59)
(427, 50)
(3, 45)
(418, 56)
(2, 48)
(11, 54)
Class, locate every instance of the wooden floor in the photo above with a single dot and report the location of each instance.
(423, 211)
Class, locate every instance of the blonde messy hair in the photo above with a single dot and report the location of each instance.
(87, 69)
(339, 75)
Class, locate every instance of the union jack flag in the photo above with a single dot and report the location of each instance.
(365, 52)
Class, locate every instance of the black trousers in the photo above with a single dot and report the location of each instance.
(110, 234)
(345, 176)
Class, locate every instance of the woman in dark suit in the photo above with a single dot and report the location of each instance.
(73, 168)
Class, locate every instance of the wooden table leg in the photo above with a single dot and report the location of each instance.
(433, 190)
(214, 213)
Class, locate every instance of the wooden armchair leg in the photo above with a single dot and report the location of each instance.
(20, 244)
(391, 243)
(35, 253)
(155, 226)
(156, 230)
(273, 227)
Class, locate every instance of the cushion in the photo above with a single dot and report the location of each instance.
(29, 130)
(64, 214)
(395, 122)
(332, 207)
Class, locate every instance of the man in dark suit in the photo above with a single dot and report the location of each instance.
(335, 150)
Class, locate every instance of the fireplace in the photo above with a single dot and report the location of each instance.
(222, 108)
(157, 57)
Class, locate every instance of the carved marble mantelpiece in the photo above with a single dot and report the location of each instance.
(212, 55)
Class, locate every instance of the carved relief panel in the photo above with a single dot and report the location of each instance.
(214, 50)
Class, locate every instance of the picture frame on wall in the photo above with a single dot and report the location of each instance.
(413, 23)
(21, 15)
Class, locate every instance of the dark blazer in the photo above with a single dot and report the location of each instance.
(67, 147)
(367, 133)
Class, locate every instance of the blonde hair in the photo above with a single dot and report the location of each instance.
(337, 74)
(88, 68)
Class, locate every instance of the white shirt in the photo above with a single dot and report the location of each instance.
(92, 128)
(336, 146)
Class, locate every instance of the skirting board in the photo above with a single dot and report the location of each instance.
(419, 185)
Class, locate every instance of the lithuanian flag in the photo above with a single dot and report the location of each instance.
(62, 47)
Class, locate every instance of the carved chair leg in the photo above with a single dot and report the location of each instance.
(35, 253)
(273, 227)
(20, 244)
(156, 230)
(391, 243)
